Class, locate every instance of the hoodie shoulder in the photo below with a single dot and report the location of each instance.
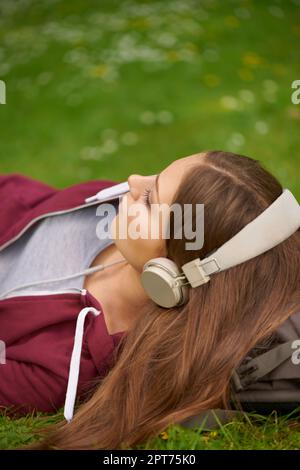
(24, 199)
(27, 191)
(19, 195)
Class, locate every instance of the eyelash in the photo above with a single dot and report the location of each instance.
(146, 197)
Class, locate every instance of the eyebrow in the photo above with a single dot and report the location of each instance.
(156, 188)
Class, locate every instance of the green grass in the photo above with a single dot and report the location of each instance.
(254, 431)
(105, 89)
(80, 76)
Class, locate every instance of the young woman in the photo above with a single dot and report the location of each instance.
(142, 366)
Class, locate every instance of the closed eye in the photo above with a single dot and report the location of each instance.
(145, 197)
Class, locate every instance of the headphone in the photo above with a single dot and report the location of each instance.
(167, 285)
(163, 280)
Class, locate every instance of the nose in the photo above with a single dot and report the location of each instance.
(136, 179)
(135, 182)
(132, 179)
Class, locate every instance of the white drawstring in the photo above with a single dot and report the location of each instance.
(75, 362)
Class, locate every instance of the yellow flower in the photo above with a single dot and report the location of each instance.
(251, 59)
(245, 74)
(140, 23)
(99, 70)
(213, 434)
(232, 21)
(293, 112)
(296, 30)
(172, 55)
(164, 435)
(191, 46)
(211, 80)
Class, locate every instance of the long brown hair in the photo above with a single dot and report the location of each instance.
(174, 363)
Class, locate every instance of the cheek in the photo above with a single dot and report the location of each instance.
(131, 222)
(139, 250)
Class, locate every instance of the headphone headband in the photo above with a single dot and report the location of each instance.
(274, 225)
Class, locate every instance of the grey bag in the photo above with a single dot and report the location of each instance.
(267, 379)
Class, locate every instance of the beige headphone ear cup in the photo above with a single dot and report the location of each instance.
(158, 280)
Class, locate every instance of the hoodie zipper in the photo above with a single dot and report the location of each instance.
(49, 214)
(45, 292)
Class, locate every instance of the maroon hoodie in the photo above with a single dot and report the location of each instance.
(39, 329)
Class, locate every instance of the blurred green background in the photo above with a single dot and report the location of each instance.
(103, 89)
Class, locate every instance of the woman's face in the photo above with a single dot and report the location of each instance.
(138, 228)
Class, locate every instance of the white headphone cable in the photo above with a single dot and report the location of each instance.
(88, 271)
